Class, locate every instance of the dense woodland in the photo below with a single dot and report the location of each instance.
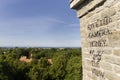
(66, 64)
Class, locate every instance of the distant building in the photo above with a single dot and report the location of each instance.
(50, 61)
(24, 59)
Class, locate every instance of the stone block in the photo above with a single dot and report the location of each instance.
(107, 52)
(88, 62)
(117, 61)
(109, 59)
(100, 32)
(117, 52)
(88, 68)
(90, 5)
(117, 69)
(86, 55)
(106, 66)
(114, 39)
(108, 12)
(111, 76)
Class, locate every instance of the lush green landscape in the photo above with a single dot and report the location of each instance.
(42, 64)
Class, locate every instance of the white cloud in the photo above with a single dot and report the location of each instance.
(40, 24)
(10, 29)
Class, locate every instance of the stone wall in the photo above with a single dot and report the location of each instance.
(100, 34)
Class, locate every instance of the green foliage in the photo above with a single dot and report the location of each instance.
(74, 69)
(66, 64)
(57, 69)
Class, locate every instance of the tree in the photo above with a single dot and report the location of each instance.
(74, 69)
(57, 69)
(40, 70)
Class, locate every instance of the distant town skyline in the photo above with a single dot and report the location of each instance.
(37, 23)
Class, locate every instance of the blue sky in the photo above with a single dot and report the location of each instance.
(35, 23)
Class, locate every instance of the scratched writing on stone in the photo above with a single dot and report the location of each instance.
(96, 57)
(98, 43)
(98, 73)
(99, 33)
(99, 22)
(97, 30)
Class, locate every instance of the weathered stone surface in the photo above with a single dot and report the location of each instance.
(118, 25)
(117, 69)
(117, 52)
(88, 62)
(111, 76)
(86, 55)
(100, 35)
(117, 61)
(90, 5)
(114, 39)
(107, 52)
(106, 66)
(109, 59)
(109, 3)
(108, 12)
(88, 68)
(118, 7)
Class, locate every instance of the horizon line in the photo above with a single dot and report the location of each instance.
(40, 47)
